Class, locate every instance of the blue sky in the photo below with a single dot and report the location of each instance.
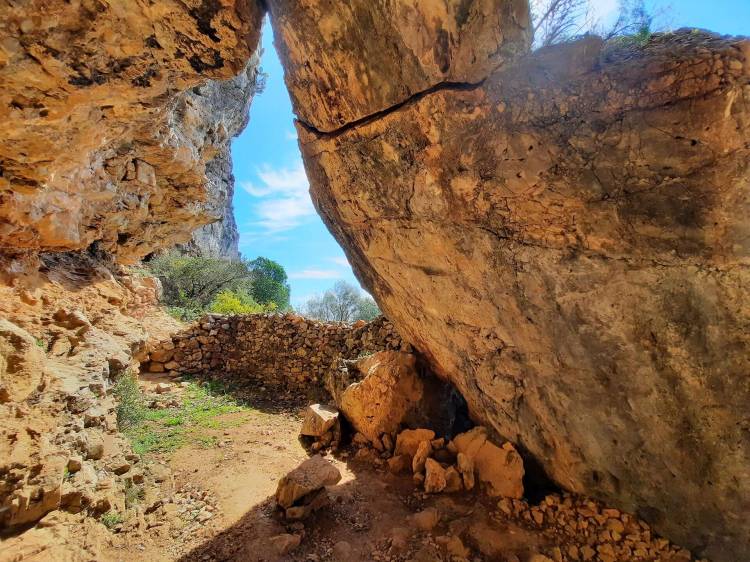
(274, 213)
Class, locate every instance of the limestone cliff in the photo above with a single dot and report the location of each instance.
(100, 141)
(563, 235)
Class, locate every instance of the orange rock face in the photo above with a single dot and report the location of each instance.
(370, 56)
(101, 142)
(567, 243)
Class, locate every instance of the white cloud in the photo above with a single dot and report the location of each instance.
(313, 273)
(340, 260)
(285, 201)
(290, 135)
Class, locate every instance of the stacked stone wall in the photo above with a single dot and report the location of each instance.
(276, 350)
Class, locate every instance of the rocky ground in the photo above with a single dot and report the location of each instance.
(209, 496)
(99, 463)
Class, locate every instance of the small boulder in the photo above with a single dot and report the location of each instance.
(283, 544)
(435, 477)
(163, 388)
(342, 551)
(453, 481)
(420, 457)
(319, 419)
(74, 463)
(408, 440)
(155, 367)
(91, 444)
(390, 389)
(162, 355)
(398, 464)
(427, 519)
(466, 468)
(312, 475)
(500, 468)
(310, 503)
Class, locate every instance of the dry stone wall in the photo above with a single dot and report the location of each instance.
(285, 351)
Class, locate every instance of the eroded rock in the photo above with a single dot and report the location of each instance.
(22, 363)
(380, 402)
(309, 477)
(417, 45)
(113, 87)
(567, 244)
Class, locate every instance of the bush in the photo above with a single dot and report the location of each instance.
(195, 285)
(111, 519)
(130, 407)
(269, 283)
(191, 283)
(229, 302)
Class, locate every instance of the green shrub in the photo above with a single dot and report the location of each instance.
(229, 302)
(165, 430)
(193, 285)
(111, 519)
(130, 407)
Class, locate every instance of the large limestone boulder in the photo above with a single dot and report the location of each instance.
(374, 54)
(380, 402)
(566, 242)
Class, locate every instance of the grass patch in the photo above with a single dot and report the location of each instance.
(111, 519)
(168, 429)
(134, 494)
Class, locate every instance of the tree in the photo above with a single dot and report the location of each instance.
(193, 285)
(368, 308)
(342, 303)
(192, 282)
(229, 302)
(269, 283)
(557, 21)
(633, 18)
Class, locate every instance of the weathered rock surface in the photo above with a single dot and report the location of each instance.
(22, 363)
(67, 330)
(567, 242)
(311, 476)
(101, 142)
(318, 420)
(380, 402)
(381, 53)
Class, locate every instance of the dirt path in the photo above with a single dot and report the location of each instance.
(216, 503)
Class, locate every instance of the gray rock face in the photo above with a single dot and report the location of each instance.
(224, 112)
